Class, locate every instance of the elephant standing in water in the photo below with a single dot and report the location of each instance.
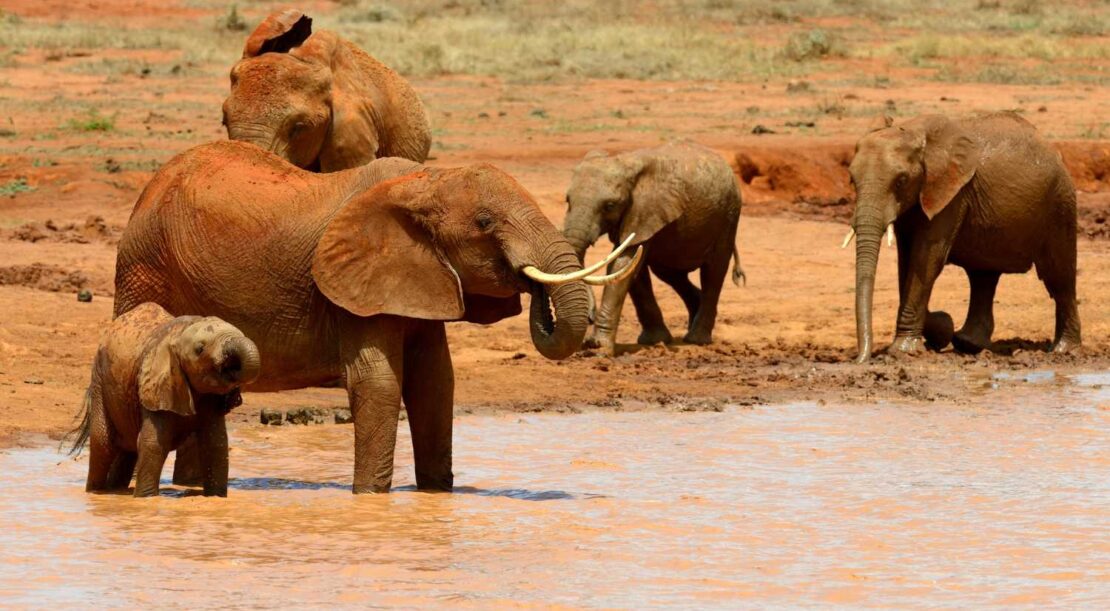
(319, 101)
(682, 203)
(350, 276)
(985, 193)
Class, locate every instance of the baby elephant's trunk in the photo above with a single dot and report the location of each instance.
(241, 363)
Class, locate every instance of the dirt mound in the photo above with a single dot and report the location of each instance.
(1088, 163)
(94, 229)
(43, 277)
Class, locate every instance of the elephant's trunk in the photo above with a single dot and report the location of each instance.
(869, 235)
(558, 336)
(241, 362)
(259, 135)
(579, 241)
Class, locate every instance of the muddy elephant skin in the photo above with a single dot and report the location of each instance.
(319, 101)
(985, 193)
(157, 380)
(348, 278)
(682, 202)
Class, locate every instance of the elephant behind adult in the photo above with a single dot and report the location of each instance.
(319, 101)
(983, 192)
(349, 276)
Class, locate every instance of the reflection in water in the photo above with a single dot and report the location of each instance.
(802, 504)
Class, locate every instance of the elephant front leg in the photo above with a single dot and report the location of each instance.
(154, 444)
(212, 445)
(653, 327)
(913, 312)
(604, 336)
(374, 357)
(429, 394)
(187, 468)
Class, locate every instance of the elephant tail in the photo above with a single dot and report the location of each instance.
(80, 435)
(738, 275)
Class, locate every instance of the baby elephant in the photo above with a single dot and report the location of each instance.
(681, 202)
(156, 380)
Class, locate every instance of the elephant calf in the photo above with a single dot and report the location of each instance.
(156, 380)
(682, 203)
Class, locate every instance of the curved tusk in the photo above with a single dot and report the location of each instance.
(545, 278)
(848, 238)
(890, 234)
(617, 276)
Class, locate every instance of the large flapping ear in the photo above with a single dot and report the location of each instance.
(950, 157)
(279, 33)
(653, 206)
(486, 310)
(162, 383)
(376, 257)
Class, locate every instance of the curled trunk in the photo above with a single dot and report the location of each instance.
(558, 334)
(241, 363)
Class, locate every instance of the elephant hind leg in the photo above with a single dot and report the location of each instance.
(680, 282)
(1059, 279)
(975, 335)
(428, 390)
(713, 273)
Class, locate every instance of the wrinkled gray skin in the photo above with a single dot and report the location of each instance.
(682, 202)
(157, 380)
(984, 193)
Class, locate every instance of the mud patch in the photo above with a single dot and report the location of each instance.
(93, 229)
(43, 277)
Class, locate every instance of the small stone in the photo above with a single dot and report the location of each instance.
(34, 380)
(539, 112)
(84, 295)
(299, 415)
(342, 416)
(483, 115)
(760, 129)
(270, 416)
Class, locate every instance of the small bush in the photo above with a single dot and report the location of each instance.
(814, 44)
(93, 121)
(232, 21)
(19, 185)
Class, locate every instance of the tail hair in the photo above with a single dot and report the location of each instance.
(80, 434)
(738, 275)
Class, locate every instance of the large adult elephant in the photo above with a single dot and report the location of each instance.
(319, 101)
(350, 276)
(983, 192)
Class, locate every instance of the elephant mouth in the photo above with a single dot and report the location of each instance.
(543, 315)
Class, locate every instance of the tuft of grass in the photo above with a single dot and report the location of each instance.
(811, 44)
(232, 22)
(93, 121)
(14, 187)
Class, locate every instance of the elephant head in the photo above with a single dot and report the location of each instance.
(307, 97)
(457, 244)
(917, 167)
(617, 193)
(203, 355)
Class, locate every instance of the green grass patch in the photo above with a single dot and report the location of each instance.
(14, 187)
(92, 121)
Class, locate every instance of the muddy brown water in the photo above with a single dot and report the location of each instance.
(797, 505)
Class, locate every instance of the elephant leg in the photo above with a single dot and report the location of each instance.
(102, 453)
(604, 336)
(653, 328)
(429, 394)
(122, 470)
(1059, 279)
(373, 356)
(925, 266)
(938, 325)
(155, 440)
(212, 444)
(690, 294)
(713, 274)
(187, 468)
(975, 335)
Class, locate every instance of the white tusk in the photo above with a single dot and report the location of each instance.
(546, 278)
(617, 276)
(848, 238)
(890, 234)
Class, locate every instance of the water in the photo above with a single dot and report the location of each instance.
(799, 505)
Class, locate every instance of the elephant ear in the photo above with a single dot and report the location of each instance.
(279, 33)
(880, 121)
(486, 310)
(653, 206)
(376, 257)
(950, 158)
(162, 383)
(353, 138)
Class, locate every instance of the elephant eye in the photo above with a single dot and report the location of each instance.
(199, 348)
(484, 221)
(298, 126)
(609, 206)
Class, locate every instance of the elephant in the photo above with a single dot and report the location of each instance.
(156, 380)
(319, 101)
(682, 203)
(983, 192)
(348, 278)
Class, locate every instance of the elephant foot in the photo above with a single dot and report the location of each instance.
(938, 331)
(371, 489)
(601, 343)
(970, 343)
(650, 337)
(908, 345)
(700, 338)
(1066, 345)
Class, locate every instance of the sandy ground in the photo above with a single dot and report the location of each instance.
(789, 334)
